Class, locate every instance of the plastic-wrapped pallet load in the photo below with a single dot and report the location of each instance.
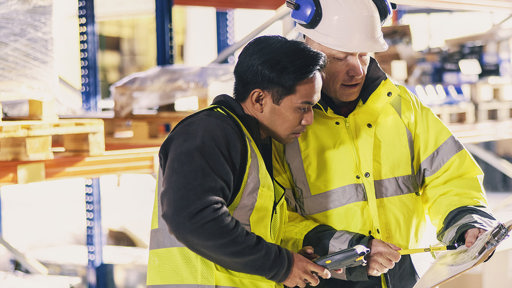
(164, 85)
(27, 68)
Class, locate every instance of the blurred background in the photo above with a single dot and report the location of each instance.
(89, 90)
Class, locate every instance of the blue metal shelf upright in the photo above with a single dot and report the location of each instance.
(225, 31)
(97, 272)
(164, 34)
(88, 53)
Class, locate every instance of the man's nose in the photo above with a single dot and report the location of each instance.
(355, 68)
(308, 118)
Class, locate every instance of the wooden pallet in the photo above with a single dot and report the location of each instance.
(142, 129)
(493, 111)
(38, 140)
(463, 112)
(482, 131)
(37, 110)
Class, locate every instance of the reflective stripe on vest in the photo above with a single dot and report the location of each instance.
(160, 237)
(439, 157)
(340, 240)
(247, 202)
(353, 193)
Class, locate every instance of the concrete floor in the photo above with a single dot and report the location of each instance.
(41, 219)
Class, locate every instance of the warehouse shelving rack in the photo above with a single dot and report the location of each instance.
(144, 160)
(138, 160)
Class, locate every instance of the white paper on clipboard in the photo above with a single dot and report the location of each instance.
(451, 264)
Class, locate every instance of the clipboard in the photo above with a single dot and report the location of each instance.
(450, 264)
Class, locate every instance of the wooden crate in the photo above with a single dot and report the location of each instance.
(38, 140)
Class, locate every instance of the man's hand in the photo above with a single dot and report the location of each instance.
(382, 257)
(308, 252)
(471, 236)
(304, 272)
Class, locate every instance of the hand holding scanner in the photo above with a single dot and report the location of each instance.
(349, 257)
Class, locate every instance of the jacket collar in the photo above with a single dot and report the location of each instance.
(374, 76)
(250, 123)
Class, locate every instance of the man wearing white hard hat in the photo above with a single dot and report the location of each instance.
(376, 163)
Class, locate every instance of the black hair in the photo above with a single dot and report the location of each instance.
(274, 64)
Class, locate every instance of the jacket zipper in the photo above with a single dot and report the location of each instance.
(274, 207)
(354, 151)
(349, 132)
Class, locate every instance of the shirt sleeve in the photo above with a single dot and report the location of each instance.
(450, 180)
(202, 160)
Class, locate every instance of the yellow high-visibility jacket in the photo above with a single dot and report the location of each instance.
(382, 170)
(259, 206)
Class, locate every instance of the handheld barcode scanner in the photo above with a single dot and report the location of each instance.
(349, 257)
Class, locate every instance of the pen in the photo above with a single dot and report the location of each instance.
(428, 249)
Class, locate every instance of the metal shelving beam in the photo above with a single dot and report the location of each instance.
(164, 33)
(225, 32)
(281, 13)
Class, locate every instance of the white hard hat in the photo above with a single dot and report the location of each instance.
(343, 25)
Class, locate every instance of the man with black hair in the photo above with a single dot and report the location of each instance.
(220, 219)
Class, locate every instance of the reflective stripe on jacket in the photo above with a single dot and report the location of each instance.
(258, 207)
(381, 170)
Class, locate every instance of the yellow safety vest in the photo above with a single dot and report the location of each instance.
(258, 207)
(381, 170)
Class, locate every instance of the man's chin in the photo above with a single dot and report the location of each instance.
(287, 140)
(294, 136)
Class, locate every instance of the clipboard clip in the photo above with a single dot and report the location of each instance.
(498, 234)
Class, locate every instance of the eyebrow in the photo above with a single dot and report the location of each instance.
(308, 103)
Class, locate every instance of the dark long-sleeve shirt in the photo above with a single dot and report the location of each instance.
(203, 162)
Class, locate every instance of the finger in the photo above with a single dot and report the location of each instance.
(391, 262)
(339, 271)
(377, 268)
(326, 274)
(394, 247)
(308, 249)
(311, 279)
(321, 271)
(385, 262)
(373, 272)
(393, 257)
(471, 236)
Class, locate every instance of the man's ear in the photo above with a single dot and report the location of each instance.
(258, 99)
